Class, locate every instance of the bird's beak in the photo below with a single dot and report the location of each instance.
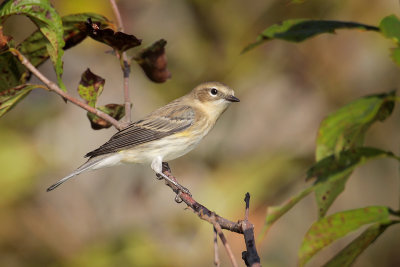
(232, 98)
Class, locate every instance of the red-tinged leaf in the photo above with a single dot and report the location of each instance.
(114, 110)
(34, 47)
(49, 23)
(90, 87)
(154, 62)
(10, 97)
(118, 40)
(13, 73)
(75, 28)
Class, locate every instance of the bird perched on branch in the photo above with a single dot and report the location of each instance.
(165, 134)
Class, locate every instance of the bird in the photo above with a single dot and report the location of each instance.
(165, 134)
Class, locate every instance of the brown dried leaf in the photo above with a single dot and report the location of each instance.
(118, 40)
(153, 61)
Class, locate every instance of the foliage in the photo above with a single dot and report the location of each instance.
(339, 150)
(54, 35)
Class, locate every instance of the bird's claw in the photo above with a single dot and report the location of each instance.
(159, 176)
(178, 199)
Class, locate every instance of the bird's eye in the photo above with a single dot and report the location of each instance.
(214, 91)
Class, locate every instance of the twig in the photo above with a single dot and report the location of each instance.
(225, 243)
(250, 256)
(55, 88)
(246, 211)
(200, 210)
(244, 227)
(216, 255)
(117, 15)
(125, 66)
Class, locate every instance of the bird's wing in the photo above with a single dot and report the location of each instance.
(163, 122)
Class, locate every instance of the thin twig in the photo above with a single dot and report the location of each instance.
(55, 88)
(247, 201)
(216, 255)
(125, 66)
(225, 243)
(117, 15)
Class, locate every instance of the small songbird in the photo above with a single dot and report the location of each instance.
(165, 134)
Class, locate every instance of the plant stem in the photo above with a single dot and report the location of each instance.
(125, 66)
(55, 88)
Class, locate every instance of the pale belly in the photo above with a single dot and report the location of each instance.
(168, 148)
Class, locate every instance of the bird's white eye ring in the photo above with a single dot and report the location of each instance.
(214, 91)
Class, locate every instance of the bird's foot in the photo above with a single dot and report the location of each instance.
(180, 187)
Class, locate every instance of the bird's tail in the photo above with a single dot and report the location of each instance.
(91, 164)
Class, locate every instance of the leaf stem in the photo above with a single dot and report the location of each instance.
(55, 88)
(125, 66)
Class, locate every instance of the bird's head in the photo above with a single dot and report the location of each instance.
(214, 97)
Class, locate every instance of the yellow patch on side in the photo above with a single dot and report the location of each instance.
(185, 133)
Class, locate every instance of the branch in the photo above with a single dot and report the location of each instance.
(221, 235)
(125, 66)
(250, 256)
(55, 88)
(216, 255)
(200, 210)
(244, 227)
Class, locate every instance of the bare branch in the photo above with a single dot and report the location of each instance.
(200, 210)
(225, 243)
(125, 66)
(247, 201)
(117, 15)
(55, 88)
(216, 255)
(250, 256)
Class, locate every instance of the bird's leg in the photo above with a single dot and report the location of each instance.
(158, 166)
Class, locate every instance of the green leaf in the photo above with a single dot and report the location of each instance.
(390, 28)
(10, 97)
(13, 73)
(49, 23)
(90, 87)
(298, 30)
(114, 110)
(346, 161)
(326, 230)
(34, 48)
(395, 55)
(349, 254)
(333, 171)
(345, 129)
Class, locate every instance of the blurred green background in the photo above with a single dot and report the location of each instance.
(123, 216)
